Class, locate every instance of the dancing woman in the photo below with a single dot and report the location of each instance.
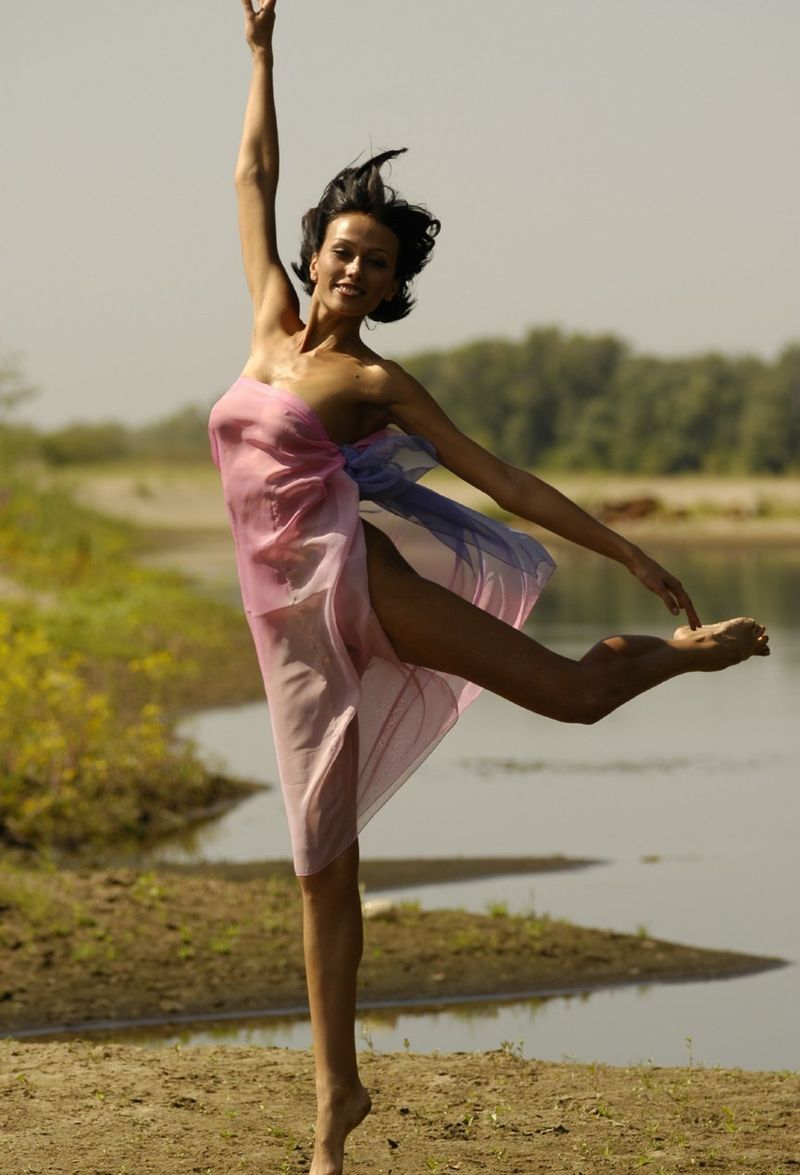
(378, 608)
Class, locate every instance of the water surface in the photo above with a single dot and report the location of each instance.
(690, 793)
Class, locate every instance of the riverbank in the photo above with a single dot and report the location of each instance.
(121, 945)
(183, 522)
(115, 1108)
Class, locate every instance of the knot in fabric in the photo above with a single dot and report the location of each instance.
(374, 467)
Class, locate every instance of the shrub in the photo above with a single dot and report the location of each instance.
(73, 773)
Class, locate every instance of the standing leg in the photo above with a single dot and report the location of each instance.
(333, 943)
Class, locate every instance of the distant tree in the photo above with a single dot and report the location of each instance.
(182, 434)
(14, 387)
(586, 402)
(770, 427)
(571, 401)
(79, 444)
(16, 441)
(582, 373)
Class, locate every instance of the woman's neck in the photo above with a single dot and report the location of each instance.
(331, 331)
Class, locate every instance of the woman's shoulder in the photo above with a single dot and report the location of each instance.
(382, 378)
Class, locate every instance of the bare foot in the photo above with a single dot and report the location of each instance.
(334, 1122)
(728, 642)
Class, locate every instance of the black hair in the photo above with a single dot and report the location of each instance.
(362, 189)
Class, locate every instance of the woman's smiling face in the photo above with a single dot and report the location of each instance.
(354, 270)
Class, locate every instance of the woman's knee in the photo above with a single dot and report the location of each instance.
(592, 700)
(338, 878)
(583, 701)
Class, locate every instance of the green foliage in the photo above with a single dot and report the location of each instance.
(17, 442)
(566, 401)
(81, 444)
(585, 402)
(14, 388)
(181, 435)
(73, 771)
(96, 654)
(48, 542)
(91, 596)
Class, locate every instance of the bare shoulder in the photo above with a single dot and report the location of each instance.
(387, 382)
(406, 402)
(410, 406)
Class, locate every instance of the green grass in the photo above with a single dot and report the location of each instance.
(97, 656)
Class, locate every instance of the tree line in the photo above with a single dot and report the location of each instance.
(588, 402)
(550, 400)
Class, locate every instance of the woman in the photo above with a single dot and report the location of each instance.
(369, 656)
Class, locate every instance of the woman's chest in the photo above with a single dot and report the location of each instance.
(341, 392)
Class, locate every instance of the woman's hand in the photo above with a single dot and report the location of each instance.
(654, 577)
(258, 25)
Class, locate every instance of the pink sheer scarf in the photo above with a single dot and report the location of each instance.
(350, 720)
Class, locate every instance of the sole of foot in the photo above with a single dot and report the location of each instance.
(741, 637)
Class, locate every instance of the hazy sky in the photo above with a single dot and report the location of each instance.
(622, 165)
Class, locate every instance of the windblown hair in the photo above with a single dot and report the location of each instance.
(362, 189)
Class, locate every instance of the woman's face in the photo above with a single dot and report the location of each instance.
(354, 270)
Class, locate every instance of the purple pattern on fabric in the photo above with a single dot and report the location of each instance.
(386, 471)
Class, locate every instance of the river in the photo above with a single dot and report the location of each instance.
(689, 795)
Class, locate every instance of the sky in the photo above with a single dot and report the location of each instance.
(603, 165)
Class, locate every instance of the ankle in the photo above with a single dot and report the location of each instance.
(337, 1091)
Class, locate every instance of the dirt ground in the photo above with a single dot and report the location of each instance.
(83, 1109)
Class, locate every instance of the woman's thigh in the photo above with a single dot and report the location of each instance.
(430, 626)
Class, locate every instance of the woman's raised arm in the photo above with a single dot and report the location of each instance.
(274, 299)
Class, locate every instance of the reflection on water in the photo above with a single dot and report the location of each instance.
(690, 793)
(726, 582)
(493, 767)
(666, 1025)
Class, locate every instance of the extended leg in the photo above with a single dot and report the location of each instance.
(430, 626)
(333, 942)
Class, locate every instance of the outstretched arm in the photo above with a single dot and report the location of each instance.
(273, 295)
(523, 494)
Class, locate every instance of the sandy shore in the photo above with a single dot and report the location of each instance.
(184, 505)
(78, 1108)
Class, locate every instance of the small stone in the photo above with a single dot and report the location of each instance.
(379, 908)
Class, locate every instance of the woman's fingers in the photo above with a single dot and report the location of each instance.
(691, 612)
(670, 589)
(680, 601)
(259, 22)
